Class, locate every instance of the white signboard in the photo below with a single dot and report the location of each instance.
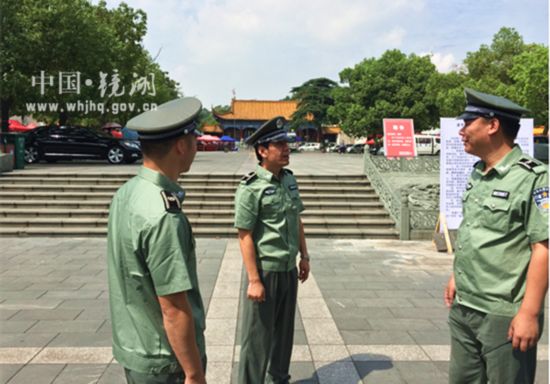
(456, 166)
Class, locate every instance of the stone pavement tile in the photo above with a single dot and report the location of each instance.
(114, 374)
(328, 285)
(16, 285)
(47, 314)
(377, 337)
(419, 372)
(222, 308)
(17, 355)
(7, 371)
(56, 286)
(420, 313)
(219, 353)
(84, 303)
(6, 314)
(300, 337)
(386, 302)
(26, 272)
(220, 331)
(360, 312)
(81, 339)
(74, 294)
(80, 374)
(15, 326)
(435, 337)
(19, 340)
(336, 372)
(37, 374)
(399, 293)
(30, 303)
(346, 294)
(322, 331)
(427, 303)
(24, 294)
(68, 355)
(378, 372)
(401, 324)
(219, 372)
(541, 376)
(437, 352)
(98, 313)
(314, 308)
(302, 373)
(353, 324)
(77, 326)
(329, 353)
(441, 324)
(387, 352)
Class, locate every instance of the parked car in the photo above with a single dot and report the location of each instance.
(309, 147)
(52, 143)
(427, 145)
(331, 147)
(356, 148)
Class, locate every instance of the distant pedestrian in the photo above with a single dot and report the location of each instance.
(500, 275)
(271, 234)
(157, 311)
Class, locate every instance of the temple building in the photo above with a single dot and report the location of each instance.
(246, 116)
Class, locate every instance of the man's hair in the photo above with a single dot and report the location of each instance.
(256, 147)
(157, 149)
(510, 127)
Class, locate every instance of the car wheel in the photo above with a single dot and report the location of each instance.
(31, 155)
(115, 155)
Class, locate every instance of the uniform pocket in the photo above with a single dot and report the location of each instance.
(271, 204)
(496, 214)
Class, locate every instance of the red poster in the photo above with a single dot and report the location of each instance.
(399, 138)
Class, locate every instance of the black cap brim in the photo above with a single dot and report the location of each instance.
(468, 116)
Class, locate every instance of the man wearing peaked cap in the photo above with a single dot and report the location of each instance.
(271, 234)
(157, 311)
(500, 271)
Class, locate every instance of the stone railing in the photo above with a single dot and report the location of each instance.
(414, 207)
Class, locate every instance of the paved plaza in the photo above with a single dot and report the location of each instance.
(371, 312)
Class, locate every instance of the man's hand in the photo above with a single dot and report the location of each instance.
(450, 292)
(256, 291)
(303, 273)
(524, 331)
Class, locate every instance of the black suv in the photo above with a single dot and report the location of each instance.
(72, 142)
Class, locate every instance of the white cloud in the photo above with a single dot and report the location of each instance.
(444, 63)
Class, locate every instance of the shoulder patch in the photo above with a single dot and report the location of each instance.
(171, 201)
(247, 179)
(540, 197)
(532, 165)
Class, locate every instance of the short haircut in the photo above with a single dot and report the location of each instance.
(510, 127)
(256, 147)
(157, 149)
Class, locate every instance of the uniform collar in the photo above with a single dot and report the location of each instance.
(264, 173)
(504, 165)
(161, 181)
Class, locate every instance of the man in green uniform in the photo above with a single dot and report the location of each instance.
(156, 307)
(271, 233)
(500, 274)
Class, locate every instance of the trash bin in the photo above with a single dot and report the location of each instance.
(15, 143)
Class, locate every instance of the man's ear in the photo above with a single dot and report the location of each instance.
(262, 150)
(494, 126)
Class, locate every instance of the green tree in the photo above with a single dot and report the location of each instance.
(314, 98)
(60, 37)
(530, 75)
(393, 86)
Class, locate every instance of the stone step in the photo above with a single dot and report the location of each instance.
(340, 233)
(111, 188)
(195, 204)
(195, 222)
(189, 176)
(186, 182)
(10, 195)
(214, 213)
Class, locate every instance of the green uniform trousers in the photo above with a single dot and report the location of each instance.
(268, 331)
(133, 377)
(482, 353)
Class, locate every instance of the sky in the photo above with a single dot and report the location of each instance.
(260, 49)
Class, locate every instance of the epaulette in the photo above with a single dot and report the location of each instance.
(532, 165)
(247, 179)
(171, 202)
(476, 163)
(288, 171)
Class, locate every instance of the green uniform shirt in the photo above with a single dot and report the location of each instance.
(151, 253)
(270, 208)
(504, 212)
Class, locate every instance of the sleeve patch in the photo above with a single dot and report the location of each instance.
(540, 197)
